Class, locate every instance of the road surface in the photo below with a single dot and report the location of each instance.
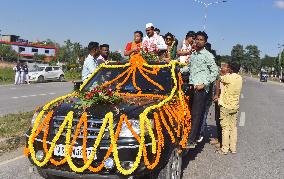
(19, 98)
(260, 147)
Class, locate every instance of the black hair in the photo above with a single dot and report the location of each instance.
(208, 47)
(190, 34)
(104, 45)
(156, 29)
(169, 34)
(139, 32)
(202, 34)
(235, 67)
(93, 45)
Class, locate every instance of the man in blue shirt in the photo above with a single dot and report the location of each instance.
(203, 71)
(90, 63)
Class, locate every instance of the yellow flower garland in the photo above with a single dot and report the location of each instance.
(109, 120)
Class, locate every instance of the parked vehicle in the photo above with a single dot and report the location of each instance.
(263, 76)
(143, 133)
(46, 73)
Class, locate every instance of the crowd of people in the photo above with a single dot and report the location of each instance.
(208, 82)
(21, 74)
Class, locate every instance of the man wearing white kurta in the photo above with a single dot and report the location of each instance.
(153, 42)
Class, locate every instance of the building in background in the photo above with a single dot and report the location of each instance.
(27, 50)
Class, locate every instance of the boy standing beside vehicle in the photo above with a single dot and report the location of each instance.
(229, 106)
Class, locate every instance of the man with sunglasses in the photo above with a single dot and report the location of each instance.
(153, 42)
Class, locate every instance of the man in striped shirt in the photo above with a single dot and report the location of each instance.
(90, 63)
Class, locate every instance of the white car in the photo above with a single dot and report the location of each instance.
(46, 73)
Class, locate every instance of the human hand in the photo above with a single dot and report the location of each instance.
(199, 87)
(215, 98)
(135, 49)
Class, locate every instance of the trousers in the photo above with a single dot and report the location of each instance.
(228, 121)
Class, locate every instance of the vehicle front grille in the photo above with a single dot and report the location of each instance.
(93, 126)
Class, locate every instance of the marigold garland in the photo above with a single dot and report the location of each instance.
(175, 110)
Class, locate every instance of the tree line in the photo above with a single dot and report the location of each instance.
(251, 62)
(73, 54)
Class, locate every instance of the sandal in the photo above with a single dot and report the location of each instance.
(221, 152)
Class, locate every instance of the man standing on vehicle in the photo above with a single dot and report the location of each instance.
(153, 42)
(90, 63)
(104, 54)
(203, 71)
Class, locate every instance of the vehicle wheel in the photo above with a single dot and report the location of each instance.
(173, 168)
(40, 79)
(61, 78)
(47, 176)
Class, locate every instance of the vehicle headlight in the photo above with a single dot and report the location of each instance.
(34, 118)
(135, 124)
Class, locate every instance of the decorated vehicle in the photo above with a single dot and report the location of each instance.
(126, 120)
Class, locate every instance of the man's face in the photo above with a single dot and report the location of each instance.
(137, 37)
(225, 68)
(95, 52)
(150, 31)
(200, 41)
(105, 52)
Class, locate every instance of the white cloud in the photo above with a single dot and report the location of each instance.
(279, 4)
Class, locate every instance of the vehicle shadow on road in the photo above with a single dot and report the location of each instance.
(192, 154)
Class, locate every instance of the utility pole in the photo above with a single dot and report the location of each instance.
(206, 5)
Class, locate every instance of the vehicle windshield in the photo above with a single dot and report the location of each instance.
(163, 78)
(36, 68)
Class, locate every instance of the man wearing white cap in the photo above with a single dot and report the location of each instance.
(153, 42)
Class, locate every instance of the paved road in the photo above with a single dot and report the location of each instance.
(17, 98)
(260, 148)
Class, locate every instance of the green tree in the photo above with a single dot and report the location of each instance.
(115, 56)
(7, 53)
(252, 61)
(238, 54)
(38, 58)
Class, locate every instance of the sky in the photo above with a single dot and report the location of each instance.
(259, 22)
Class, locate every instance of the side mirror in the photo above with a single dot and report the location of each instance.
(77, 85)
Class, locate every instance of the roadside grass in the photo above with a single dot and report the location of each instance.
(72, 75)
(12, 130)
(6, 76)
(13, 125)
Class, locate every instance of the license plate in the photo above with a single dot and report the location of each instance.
(59, 150)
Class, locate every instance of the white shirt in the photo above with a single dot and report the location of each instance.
(89, 67)
(185, 48)
(154, 43)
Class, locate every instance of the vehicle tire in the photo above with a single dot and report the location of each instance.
(40, 79)
(47, 176)
(61, 78)
(172, 170)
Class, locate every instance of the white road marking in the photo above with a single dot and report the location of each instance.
(33, 95)
(12, 160)
(242, 96)
(242, 119)
(13, 88)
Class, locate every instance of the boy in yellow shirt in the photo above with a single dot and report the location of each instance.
(229, 106)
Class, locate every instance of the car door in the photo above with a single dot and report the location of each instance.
(48, 73)
(56, 72)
